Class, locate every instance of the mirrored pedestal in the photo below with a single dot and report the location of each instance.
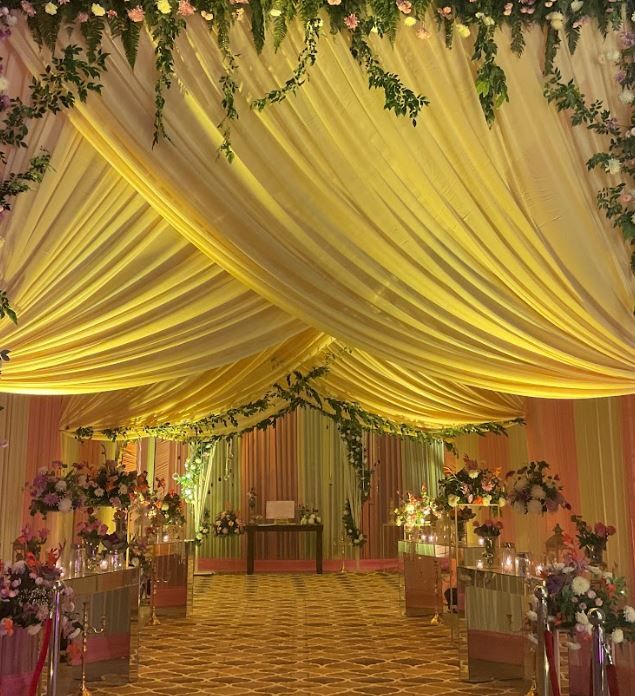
(491, 612)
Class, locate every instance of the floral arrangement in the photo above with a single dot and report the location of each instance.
(228, 523)
(110, 484)
(592, 540)
(204, 529)
(531, 489)
(251, 500)
(309, 515)
(489, 529)
(32, 541)
(140, 553)
(413, 510)
(470, 485)
(352, 433)
(574, 588)
(53, 490)
(354, 534)
(26, 593)
(171, 507)
(91, 531)
(115, 541)
(193, 469)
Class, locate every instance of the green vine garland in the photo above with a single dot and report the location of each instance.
(617, 201)
(297, 391)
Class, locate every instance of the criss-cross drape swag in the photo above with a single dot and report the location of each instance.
(461, 265)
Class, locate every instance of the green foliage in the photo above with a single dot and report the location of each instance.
(398, 98)
(6, 310)
(92, 30)
(306, 59)
(491, 85)
(353, 532)
(165, 32)
(18, 182)
(618, 157)
(257, 24)
(297, 391)
(229, 87)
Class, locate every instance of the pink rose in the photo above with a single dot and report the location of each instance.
(600, 529)
(136, 14)
(82, 17)
(351, 21)
(27, 8)
(625, 198)
(186, 9)
(404, 6)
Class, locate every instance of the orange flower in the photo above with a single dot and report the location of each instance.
(6, 627)
(478, 500)
(73, 653)
(31, 560)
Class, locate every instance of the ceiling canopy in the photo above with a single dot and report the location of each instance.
(449, 269)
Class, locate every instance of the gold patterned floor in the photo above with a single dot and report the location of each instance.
(329, 635)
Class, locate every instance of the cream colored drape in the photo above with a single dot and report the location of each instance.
(459, 263)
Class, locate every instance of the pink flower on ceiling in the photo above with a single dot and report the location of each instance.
(351, 21)
(185, 8)
(404, 6)
(136, 14)
(27, 8)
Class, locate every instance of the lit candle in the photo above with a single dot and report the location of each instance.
(481, 541)
(166, 537)
(539, 569)
(103, 564)
(508, 565)
(479, 564)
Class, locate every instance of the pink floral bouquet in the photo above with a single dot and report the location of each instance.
(227, 523)
(489, 529)
(91, 531)
(574, 588)
(26, 595)
(470, 485)
(110, 485)
(32, 541)
(53, 490)
(592, 540)
(531, 489)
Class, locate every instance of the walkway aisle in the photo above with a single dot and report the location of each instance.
(298, 634)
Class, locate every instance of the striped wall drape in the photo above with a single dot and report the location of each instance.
(304, 459)
(591, 444)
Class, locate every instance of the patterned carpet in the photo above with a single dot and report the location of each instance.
(298, 634)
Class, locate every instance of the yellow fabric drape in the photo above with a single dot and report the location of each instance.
(109, 296)
(466, 253)
(463, 265)
(379, 387)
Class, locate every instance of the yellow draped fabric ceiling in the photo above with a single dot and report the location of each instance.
(450, 269)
